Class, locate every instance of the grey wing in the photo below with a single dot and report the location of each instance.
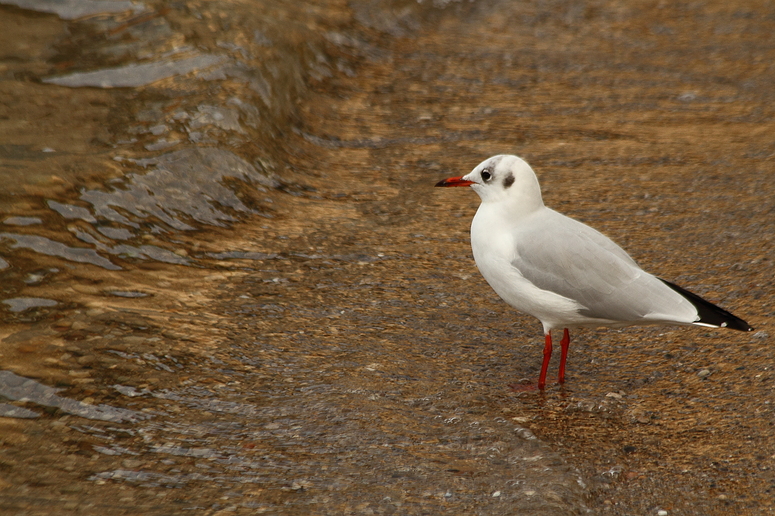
(564, 256)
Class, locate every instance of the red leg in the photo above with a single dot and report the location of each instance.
(564, 344)
(545, 364)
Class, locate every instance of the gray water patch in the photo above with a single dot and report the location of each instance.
(115, 233)
(73, 9)
(22, 221)
(19, 388)
(129, 251)
(113, 450)
(135, 75)
(223, 118)
(206, 403)
(50, 247)
(148, 479)
(161, 144)
(70, 211)
(201, 453)
(20, 304)
(150, 251)
(8, 410)
(126, 293)
(185, 182)
(3, 264)
(127, 390)
(158, 130)
(39, 276)
(105, 451)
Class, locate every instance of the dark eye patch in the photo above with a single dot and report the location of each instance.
(486, 175)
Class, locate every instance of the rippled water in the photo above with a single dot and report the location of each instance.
(144, 140)
(17, 388)
(227, 286)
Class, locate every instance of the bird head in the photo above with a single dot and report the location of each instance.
(502, 179)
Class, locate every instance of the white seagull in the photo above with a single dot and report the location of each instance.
(563, 272)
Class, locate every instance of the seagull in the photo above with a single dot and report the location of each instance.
(562, 271)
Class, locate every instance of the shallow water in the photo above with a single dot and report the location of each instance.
(229, 286)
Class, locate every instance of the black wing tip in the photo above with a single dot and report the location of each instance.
(710, 313)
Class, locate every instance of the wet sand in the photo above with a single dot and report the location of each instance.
(345, 357)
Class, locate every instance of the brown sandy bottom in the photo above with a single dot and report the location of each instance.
(637, 135)
(354, 362)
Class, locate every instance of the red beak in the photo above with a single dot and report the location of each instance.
(455, 181)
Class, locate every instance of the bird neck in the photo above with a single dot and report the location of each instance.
(517, 205)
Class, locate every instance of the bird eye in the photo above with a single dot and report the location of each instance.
(486, 175)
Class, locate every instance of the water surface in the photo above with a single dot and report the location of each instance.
(228, 284)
